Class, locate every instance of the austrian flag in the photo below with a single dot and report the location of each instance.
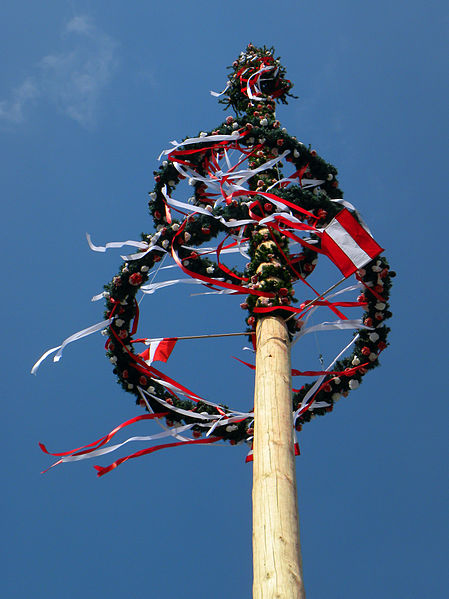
(160, 349)
(348, 244)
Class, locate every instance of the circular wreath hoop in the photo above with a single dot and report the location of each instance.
(271, 272)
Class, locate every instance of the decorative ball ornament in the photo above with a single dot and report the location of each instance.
(248, 177)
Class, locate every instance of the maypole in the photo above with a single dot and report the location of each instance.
(279, 224)
(277, 563)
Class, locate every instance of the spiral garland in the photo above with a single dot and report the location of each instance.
(239, 191)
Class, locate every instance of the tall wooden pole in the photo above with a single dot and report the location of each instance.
(277, 562)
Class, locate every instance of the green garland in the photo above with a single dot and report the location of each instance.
(269, 268)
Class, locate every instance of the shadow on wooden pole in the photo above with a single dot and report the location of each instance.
(277, 563)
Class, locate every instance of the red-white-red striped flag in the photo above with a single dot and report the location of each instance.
(159, 349)
(348, 244)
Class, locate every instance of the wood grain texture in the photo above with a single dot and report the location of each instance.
(277, 563)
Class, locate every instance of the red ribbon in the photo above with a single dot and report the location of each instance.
(104, 470)
(103, 440)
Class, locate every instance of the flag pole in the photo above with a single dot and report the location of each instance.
(277, 562)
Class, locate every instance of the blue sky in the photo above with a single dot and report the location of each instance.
(90, 93)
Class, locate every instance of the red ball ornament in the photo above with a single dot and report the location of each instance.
(135, 279)
(283, 291)
(157, 215)
(125, 374)
(143, 380)
(196, 433)
(366, 350)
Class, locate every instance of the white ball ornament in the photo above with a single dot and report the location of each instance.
(355, 361)
(373, 337)
(231, 428)
(353, 384)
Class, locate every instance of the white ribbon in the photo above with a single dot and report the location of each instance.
(152, 287)
(320, 379)
(218, 94)
(104, 450)
(115, 244)
(79, 335)
(196, 140)
(341, 325)
(304, 184)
